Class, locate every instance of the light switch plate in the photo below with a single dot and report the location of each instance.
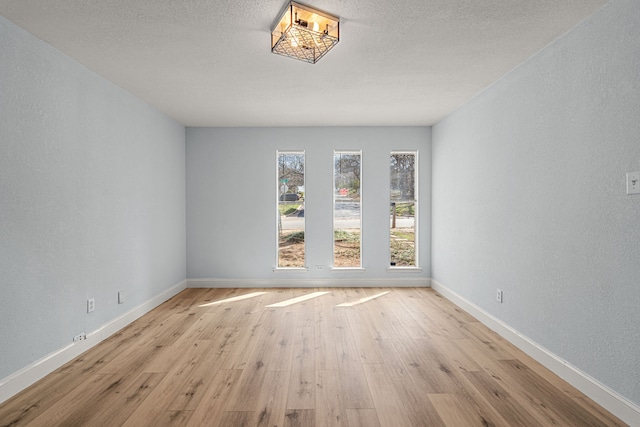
(633, 183)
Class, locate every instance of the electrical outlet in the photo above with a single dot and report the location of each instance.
(499, 296)
(633, 183)
(91, 305)
(80, 337)
(120, 297)
(318, 267)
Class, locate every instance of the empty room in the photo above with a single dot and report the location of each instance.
(328, 213)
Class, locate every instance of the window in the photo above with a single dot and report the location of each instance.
(346, 209)
(290, 214)
(404, 208)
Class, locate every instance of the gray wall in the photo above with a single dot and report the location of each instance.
(92, 200)
(231, 200)
(529, 196)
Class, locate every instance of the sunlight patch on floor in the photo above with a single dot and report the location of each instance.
(297, 299)
(362, 300)
(232, 299)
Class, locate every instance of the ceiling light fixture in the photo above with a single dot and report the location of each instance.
(304, 33)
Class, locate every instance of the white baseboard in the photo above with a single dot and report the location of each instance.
(356, 282)
(18, 381)
(598, 392)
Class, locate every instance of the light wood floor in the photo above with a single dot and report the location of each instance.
(406, 358)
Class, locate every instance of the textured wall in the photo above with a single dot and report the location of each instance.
(231, 210)
(529, 196)
(92, 196)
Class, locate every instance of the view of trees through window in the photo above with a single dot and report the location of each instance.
(291, 224)
(346, 209)
(347, 213)
(403, 209)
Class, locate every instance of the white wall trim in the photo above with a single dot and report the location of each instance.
(18, 381)
(309, 283)
(598, 392)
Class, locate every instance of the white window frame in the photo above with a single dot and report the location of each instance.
(277, 210)
(416, 223)
(333, 212)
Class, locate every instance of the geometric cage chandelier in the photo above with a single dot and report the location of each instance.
(304, 33)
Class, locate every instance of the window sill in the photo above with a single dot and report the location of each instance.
(353, 269)
(405, 269)
(284, 269)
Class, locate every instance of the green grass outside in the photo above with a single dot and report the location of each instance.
(404, 209)
(294, 237)
(286, 209)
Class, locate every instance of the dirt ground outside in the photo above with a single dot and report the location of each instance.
(347, 249)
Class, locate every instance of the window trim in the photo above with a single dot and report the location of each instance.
(277, 268)
(416, 209)
(333, 212)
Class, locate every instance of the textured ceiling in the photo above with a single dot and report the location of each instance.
(208, 63)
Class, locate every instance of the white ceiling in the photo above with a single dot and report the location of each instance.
(208, 63)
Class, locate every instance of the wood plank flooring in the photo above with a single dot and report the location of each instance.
(408, 357)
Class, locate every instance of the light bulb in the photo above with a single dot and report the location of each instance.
(316, 27)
